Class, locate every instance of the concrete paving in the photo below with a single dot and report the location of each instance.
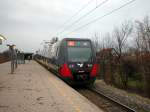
(34, 89)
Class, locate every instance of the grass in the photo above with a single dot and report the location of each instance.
(135, 84)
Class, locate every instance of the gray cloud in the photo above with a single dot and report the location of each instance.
(27, 22)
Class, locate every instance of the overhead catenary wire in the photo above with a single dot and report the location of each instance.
(83, 16)
(101, 17)
(80, 10)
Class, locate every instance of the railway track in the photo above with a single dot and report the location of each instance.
(107, 103)
(125, 107)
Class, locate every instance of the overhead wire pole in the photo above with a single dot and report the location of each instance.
(101, 17)
(75, 14)
(85, 15)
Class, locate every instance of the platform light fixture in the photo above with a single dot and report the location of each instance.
(2, 38)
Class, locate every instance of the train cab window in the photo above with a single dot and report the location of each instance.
(79, 51)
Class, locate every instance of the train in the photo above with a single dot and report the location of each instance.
(72, 59)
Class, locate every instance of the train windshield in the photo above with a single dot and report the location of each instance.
(79, 51)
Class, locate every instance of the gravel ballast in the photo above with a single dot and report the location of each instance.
(139, 103)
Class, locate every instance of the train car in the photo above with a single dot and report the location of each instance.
(74, 60)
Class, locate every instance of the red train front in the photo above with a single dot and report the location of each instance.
(79, 65)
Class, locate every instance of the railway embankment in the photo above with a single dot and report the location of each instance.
(139, 103)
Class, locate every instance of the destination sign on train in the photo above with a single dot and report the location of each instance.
(78, 43)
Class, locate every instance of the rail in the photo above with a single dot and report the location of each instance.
(111, 99)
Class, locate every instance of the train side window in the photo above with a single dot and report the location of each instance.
(57, 52)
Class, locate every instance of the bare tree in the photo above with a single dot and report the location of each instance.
(143, 50)
(96, 41)
(107, 41)
(120, 37)
(143, 31)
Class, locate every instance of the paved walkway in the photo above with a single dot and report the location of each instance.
(33, 89)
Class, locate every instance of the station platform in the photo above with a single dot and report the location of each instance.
(34, 89)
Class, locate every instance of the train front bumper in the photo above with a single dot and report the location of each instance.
(80, 82)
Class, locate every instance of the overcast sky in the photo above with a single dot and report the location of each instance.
(26, 23)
